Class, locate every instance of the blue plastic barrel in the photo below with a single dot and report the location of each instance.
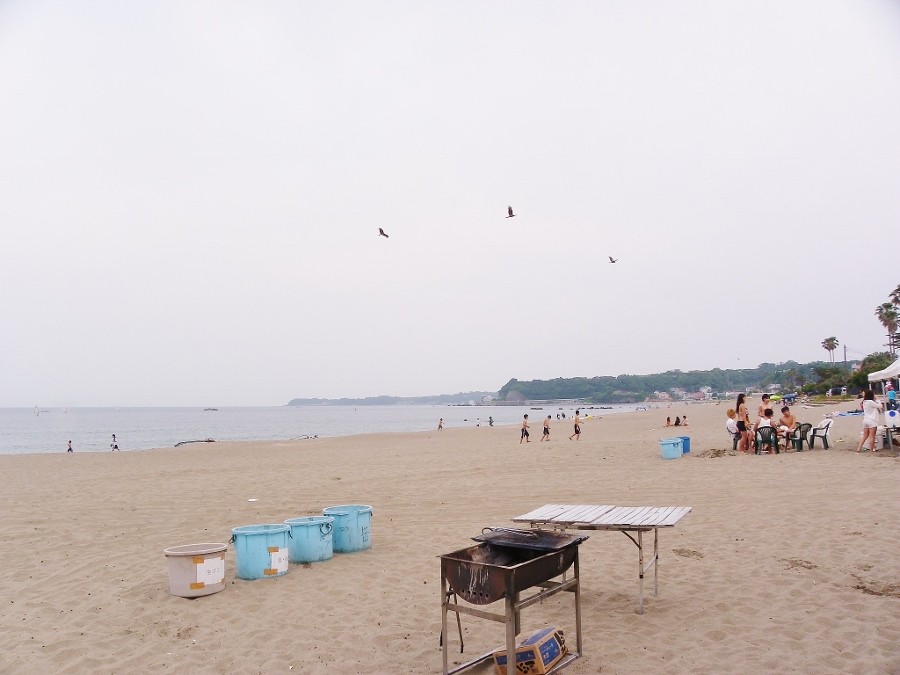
(261, 550)
(670, 447)
(310, 539)
(685, 444)
(352, 527)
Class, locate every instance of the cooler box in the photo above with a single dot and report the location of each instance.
(670, 448)
(537, 654)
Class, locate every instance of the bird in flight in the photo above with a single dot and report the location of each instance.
(510, 213)
(382, 234)
(612, 260)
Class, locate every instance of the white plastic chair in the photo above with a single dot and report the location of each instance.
(820, 431)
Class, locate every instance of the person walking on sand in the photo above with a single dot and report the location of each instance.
(115, 444)
(871, 408)
(490, 421)
(524, 436)
(70, 447)
(441, 424)
(546, 436)
(577, 434)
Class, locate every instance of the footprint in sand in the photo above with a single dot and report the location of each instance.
(875, 587)
(687, 553)
(794, 563)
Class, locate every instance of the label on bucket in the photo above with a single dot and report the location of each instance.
(211, 571)
(279, 561)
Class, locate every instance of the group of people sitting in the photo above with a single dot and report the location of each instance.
(679, 422)
(738, 424)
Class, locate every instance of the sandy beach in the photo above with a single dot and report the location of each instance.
(786, 564)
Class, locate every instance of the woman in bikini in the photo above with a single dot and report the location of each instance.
(743, 423)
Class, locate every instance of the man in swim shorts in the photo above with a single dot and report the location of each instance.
(524, 431)
(577, 434)
(546, 436)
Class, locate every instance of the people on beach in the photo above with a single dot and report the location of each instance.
(546, 435)
(441, 424)
(668, 421)
(490, 421)
(114, 445)
(524, 436)
(577, 434)
(477, 421)
(766, 421)
(677, 421)
(892, 397)
(731, 425)
(870, 408)
(743, 423)
(684, 421)
(761, 411)
(70, 447)
(787, 423)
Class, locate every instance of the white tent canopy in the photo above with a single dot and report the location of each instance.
(889, 373)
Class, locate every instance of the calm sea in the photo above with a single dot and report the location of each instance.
(24, 430)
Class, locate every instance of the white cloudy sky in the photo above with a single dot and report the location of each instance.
(190, 193)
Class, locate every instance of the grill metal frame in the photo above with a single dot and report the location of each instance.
(487, 573)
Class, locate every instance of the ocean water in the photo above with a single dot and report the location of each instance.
(26, 430)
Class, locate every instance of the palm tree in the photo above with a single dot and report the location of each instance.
(895, 297)
(830, 344)
(889, 317)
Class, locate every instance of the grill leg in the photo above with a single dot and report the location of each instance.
(512, 617)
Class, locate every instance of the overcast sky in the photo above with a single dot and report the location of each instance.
(190, 193)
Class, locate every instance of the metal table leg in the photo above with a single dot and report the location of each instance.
(445, 598)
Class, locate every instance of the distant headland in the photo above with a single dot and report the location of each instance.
(671, 385)
(462, 398)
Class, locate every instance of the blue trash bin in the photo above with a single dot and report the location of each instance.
(311, 539)
(685, 444)
(261, 550)
(352, 527)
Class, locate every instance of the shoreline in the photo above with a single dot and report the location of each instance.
(785, 562)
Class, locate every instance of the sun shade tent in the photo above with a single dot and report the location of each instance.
(892, 372)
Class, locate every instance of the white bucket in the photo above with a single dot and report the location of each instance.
(196, 569)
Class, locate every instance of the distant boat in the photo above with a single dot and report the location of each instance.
(211, 410)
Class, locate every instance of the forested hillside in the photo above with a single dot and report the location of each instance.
(632, 388)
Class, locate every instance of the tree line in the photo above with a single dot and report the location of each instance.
(791, 376)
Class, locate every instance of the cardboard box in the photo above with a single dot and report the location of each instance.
(536, 655)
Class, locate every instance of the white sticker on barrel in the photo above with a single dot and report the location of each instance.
(279, 560)
(211, 571)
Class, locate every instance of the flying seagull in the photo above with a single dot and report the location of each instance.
(510, 212)
(382, 234)
(612, 260)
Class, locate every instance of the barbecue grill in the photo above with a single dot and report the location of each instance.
(506, 563)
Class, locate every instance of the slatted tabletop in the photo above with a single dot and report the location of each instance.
(624, 519)
(605, 517)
